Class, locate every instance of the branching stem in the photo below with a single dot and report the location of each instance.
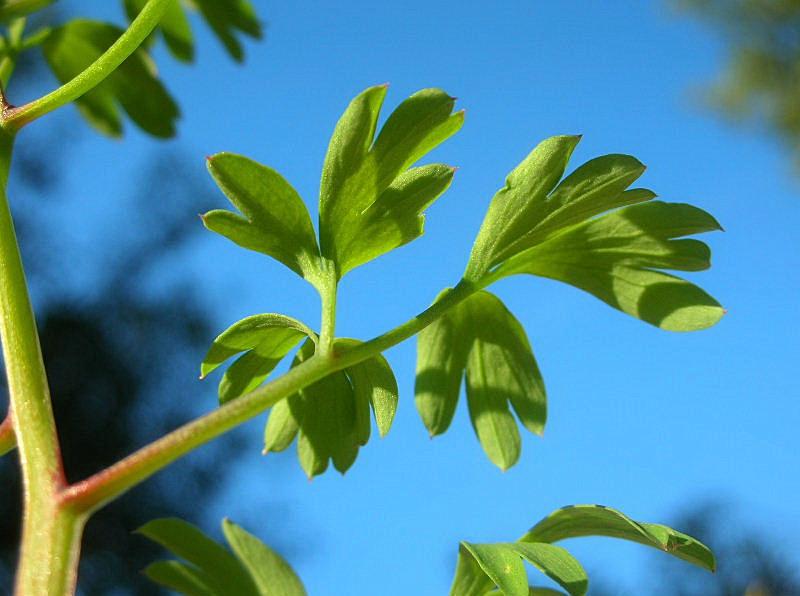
(15, 118)
(94, 492)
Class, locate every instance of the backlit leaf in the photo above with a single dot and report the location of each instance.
(538, 226)
(272, 574)
(274, 219)
(253, 569)
(470, 579)
(482, 339)
(556, 563)
(221, 570)
(502, 565)
(325, 413)
(596, 520)
(614, 257)
(331, 418)
(264, 339)
(370, 202)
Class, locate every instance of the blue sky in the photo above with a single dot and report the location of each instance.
(640, 419)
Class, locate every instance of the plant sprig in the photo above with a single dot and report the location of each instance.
(588, 229)
(482, 569)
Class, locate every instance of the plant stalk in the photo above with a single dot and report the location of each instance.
(328, 293)
(105, 486)
(50, 537)
(15, 118)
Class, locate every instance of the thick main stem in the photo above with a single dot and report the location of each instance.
(48, 552)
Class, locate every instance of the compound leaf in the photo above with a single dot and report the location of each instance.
(331, 417)
(519, 205)
(596, 520)
(538, 226)
(482, 339)
(614, 257)
(325, 416)
(134, 87)
(265, 340)
(274, 219)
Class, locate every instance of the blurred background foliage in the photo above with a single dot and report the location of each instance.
(760, 83)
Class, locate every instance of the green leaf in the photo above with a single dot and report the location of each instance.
(370, 202)
(227, 19)
(441, 360)
(271, 573)
(520, 204)
(252, 570)
(470, 579)
(557, 564)
(396, 217)
(265, 339)
(325, 416)
(174, 27)
(281, 429)
(596, 520)
(502, 564)
(332, 416)
(12, 9)
(374, 385)
(222, 571)
(614, 257)
(482, 339)
(275, 220)
(538, 226)
(71, 48)
(185, 579)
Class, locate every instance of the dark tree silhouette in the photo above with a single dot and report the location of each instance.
(121, 367)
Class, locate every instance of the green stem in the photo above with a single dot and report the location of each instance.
(48, 552)
(328, 293)
(15, 118)
(105, 486)
(8, 440)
